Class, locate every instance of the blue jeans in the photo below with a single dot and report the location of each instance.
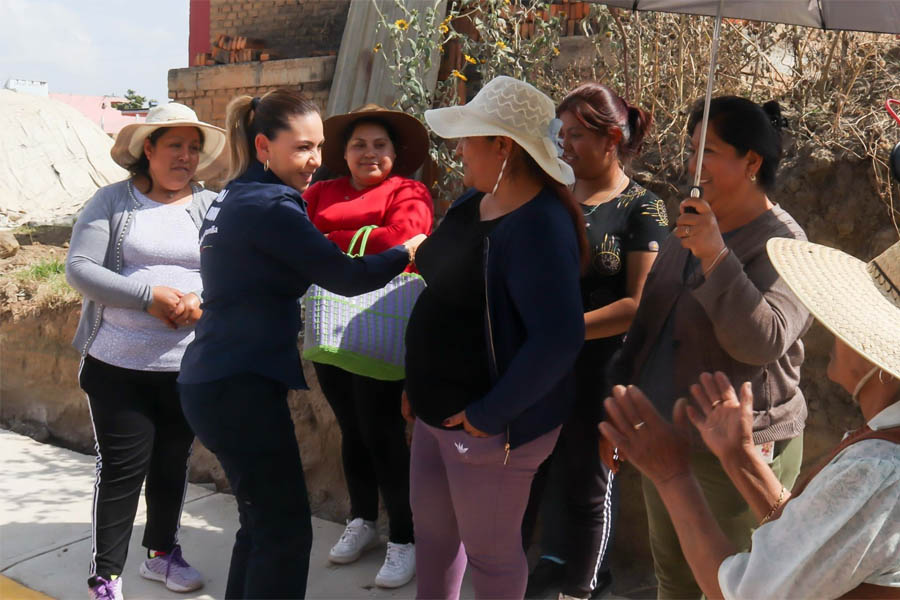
(245, 421)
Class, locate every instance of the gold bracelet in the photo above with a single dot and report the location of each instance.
(715, 262)
(774, 508)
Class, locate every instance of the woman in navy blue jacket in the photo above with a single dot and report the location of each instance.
(258, 254)
(492, 341)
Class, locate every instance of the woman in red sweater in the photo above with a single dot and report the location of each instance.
(375, 150)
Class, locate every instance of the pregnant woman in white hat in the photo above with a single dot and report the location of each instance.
(492, 341)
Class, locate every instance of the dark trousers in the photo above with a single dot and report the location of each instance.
(245, 421)
(140, 432)
(373, 445)
(576, 495)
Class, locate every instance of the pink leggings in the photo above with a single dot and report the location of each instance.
(468, 507)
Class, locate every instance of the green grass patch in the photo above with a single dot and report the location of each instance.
(42, 271)
(45, 283)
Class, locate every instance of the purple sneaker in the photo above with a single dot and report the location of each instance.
(172, 570)
(106, 589)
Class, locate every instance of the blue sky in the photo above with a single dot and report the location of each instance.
(94, 47)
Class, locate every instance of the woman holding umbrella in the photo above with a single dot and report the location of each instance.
(713, 302)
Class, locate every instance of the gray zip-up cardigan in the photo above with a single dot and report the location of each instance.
(743, 320)
(95, 255)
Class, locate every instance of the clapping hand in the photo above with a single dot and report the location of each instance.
(657, 448)
(724, 421)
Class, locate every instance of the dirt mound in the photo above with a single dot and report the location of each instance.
(52, 159)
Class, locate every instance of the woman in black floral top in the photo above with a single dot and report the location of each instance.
(625, 226)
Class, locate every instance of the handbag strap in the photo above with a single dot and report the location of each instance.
(363, 232)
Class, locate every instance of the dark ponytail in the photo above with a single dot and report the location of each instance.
(638, 124)
(773, 109)
(598, 108)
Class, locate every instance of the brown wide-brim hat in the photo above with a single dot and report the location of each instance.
(410, 138)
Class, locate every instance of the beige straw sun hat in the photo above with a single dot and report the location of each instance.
(858, 302)
(129, 145)
(511, 108)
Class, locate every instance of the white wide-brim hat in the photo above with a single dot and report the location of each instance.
(129, 145)
(858, 302)
(511, 108)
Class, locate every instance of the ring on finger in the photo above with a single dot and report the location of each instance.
(716, 403)
(638, 425)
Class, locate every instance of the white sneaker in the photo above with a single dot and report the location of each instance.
(358, 537)
(399, 566)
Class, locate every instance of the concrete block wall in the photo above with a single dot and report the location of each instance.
(208, 90)
(291, 28)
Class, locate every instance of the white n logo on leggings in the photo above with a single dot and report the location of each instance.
(460, 448)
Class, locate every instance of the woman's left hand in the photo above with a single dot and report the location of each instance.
(187, 311)
(699, 232)
(658, 449)
(460, 418)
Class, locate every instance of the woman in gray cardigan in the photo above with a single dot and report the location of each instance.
(135, 257)
(713, 302)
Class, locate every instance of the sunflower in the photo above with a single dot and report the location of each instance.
(402, 24)
(458, 75)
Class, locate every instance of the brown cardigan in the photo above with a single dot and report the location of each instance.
(743, 321)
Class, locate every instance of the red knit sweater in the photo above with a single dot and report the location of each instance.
(400, 207)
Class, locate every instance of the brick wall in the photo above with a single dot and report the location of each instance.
(291, 28)
(209, 89)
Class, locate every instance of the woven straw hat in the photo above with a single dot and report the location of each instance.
(129, 145)
(512, 108)
(411, 138)
(857, 302)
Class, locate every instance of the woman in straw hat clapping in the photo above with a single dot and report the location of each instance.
(134, 256)
(492, 340)
(837, 533)
(260, 254)
(376, 150)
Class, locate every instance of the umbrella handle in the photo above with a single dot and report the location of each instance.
(890, 110)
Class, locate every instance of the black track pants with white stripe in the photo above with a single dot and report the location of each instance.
(141, 433)
(575, 493)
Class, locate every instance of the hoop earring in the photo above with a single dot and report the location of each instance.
(266, 166)
(500, 176)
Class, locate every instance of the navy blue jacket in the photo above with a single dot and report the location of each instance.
(534, 321)
(258, 254)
